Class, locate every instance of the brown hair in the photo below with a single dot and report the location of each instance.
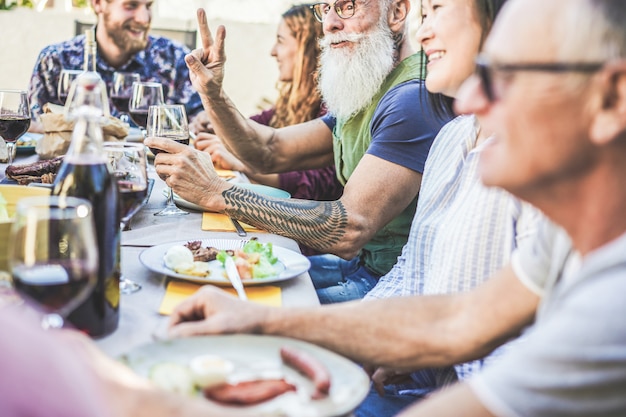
(299, 100)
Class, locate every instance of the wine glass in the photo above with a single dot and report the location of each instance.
(54, 257)
(144, 95)
(121, 90)
(128, 166)
(66, 79)
(168, 121)
(14, 118)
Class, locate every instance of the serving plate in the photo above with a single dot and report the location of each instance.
(31, 139)
(290, 263)
(257, 356)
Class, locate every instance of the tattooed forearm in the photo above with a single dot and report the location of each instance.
(318, 224)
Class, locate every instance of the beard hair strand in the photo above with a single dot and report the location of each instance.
(349, 78)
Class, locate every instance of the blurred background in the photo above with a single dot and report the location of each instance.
(26, 26)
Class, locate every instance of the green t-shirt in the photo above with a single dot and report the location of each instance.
(352, 139)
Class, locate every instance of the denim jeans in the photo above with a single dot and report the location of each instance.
(391, 404)
(337, 280)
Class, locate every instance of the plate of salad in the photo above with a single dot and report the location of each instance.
(202, 261)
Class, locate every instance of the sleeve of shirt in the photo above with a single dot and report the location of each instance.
(43, 375)
(538, 262)
(42, 88)
(312, 184)
(572, 363)
(404, 126)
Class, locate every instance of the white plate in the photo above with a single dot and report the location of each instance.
(134, 135)
(28, 137)
(291, 263)
(257, 188)
(257, 356)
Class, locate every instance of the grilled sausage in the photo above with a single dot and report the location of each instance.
(306, 364)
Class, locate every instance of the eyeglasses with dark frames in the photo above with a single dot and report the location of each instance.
(485, 70)
(344, 9)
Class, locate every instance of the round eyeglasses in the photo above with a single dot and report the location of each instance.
(343, 8)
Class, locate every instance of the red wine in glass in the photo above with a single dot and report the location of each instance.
(140, 117)
(54, 287)
(13, 127)
(121, 103)
(184, 141)
(131, 195)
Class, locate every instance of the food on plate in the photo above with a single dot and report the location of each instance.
(4, 214)
(43, 171)
(25, 141)
(173, 377)
(210, 370)
(248, 392)
(255, 260)
(180, 259)
(310, 367)
(206, 254)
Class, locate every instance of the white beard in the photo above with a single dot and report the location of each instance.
(350, 77)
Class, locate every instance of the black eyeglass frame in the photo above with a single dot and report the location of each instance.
(485, 69)
(320, 18)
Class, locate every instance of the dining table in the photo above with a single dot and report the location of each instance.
(140, 321)
(142, 324)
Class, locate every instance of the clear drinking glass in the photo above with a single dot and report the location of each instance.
(65, 82)
(128, 166)
(144, 95)
(168, 121)
(14, 118)
(54, 258)
(121, 92)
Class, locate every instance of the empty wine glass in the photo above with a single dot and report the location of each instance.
(168, 121)
(14, 118)
(128, 166)
(65, 82)
(121, 91)
(54, 256)
(144, 95)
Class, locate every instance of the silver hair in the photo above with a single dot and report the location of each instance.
(599, 28)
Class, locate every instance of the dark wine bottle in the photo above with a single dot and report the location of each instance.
(85, 173)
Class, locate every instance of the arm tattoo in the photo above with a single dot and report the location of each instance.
(318, 224)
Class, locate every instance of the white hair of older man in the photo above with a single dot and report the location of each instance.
(350, 77)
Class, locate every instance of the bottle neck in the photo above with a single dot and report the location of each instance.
(90, 57)
(87, 138)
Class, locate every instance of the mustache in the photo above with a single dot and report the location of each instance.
(137, 28)
(327, 40)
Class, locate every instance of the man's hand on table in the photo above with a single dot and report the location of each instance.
(213, 311)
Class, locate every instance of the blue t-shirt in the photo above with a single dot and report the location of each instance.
(403, 127)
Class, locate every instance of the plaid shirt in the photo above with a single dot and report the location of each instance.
(162, 61)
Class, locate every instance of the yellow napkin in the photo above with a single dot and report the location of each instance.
(225, 173)
(218, 222)
(177, 291)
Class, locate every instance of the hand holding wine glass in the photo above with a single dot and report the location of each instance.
(121, 92)
(54, 256)
(144, 95)
(168, 121)
(14, 118)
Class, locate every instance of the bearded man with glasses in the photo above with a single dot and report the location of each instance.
(378, 133)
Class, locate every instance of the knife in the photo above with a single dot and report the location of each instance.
(233, 276)
(240, 231)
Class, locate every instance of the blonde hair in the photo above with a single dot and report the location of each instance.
(299, 100)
